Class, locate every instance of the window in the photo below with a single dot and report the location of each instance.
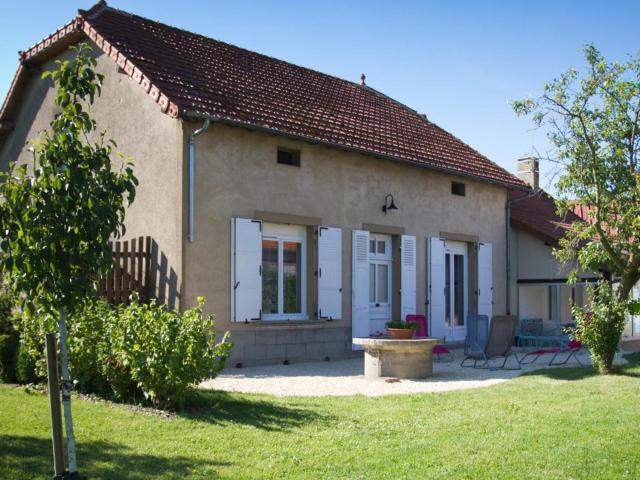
(289, 157)
(378, 247)
(551, 303)
(458, 188)
(380, 275)
(283, 272)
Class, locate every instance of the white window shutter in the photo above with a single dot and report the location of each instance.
(485, 279)
(246, 269)
(360, 285)
(408, 276)
(436, 285)
(329, 273)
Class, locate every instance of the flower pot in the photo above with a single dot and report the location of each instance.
(401, 333)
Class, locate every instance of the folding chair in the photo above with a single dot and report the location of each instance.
(572, 347)
(502, 333)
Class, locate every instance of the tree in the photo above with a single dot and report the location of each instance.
(593, 124)
(58, 214)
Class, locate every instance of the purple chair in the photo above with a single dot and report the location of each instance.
(422, 331)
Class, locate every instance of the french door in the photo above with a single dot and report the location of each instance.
(455, 290)
(380, 261)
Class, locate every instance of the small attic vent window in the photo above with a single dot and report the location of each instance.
(289, 157)
(458, 188)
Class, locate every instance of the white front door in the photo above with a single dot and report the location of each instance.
(456, 290)
(380, 261)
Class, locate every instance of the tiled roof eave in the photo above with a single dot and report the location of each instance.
(43, 50)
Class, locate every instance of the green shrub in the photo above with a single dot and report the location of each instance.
(9, 339)
(600, 325)
(9, 356)
(89, 346)
(26, 370)
(31, 354)
(129, 352)
(168, 352)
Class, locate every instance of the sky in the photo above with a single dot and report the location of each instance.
(459, 62)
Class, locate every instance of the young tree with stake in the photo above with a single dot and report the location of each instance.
(58, 214)
(593, 123)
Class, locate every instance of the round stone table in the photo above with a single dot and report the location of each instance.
(384, 357)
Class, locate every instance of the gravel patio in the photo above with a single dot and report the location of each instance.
(346, 377)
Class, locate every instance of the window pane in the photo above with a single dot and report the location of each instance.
(292, 269)
(447, 290)
(372, 246)
(382, 283)
(458, 266)
(382, 247)
(269, 276)
(372, 283)
(565, 303)
(553, 303)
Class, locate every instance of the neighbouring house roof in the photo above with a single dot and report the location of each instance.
(535, 212)
(193, 76)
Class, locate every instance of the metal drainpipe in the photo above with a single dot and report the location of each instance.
(192, 176)
(508, 241)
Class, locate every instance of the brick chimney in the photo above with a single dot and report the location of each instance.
(529, 171)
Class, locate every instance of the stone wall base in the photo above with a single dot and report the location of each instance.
(274, 345)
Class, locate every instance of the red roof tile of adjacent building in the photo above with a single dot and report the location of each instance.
(535, 211)
(191, 75)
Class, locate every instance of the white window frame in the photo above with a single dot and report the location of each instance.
(288, 233)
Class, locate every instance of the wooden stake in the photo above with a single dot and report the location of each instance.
(54, 403)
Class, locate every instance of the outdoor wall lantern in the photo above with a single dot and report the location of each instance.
(389, 205)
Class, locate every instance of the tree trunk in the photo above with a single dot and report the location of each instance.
(603, 361)
(66, 394)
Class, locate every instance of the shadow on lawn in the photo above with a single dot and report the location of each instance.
(578, 373)
(222, 407)
(30, 457)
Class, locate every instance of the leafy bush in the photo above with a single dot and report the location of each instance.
(89, 346)
(600, 325)
(133, 351)
(26, 369)
(9, 339)
(167, 352)
(32, 360)
(8, 357)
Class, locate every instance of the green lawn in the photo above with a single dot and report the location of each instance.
(553, 424)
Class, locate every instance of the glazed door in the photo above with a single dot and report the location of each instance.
(380, 261)
(456, 294)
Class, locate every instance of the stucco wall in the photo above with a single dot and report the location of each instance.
(141, 131)
(237, 174)
(535, 259)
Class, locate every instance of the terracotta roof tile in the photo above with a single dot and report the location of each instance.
(536, 212)
(186, 72)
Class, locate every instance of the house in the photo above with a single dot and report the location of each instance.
(538, 281)
(307, 209)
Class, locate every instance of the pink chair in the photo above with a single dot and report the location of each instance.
(572, 347)
(421, 322)
(422, 331)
